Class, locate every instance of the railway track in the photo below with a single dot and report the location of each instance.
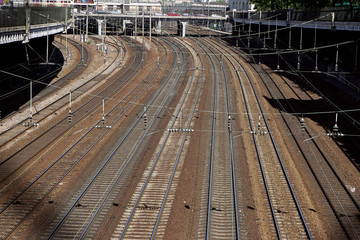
(343, 204)
(118, 165)
(104, 186)
(219, 215)
(58, 168)
(151, 202)
(271, 163)
(47, 92)
(47, 134)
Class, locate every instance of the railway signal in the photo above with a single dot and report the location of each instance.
(229, 123)
(70, 113)
(145, 117)
(302, 123)
(158, 63)
(70, 116)
(103, 117)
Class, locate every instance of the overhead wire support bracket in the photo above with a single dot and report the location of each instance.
(180, 129)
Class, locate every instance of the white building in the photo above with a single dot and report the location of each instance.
(240, 5)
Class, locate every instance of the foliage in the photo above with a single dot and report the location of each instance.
(266, 5)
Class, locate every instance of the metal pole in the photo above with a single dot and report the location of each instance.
(121, 53)
(259, 25)
(82, 48)
(27, 25)
(301, 33)
(290, 37)
(136, 23)
(87, 22)
(150, 29)
(336, 59)
(315, 35)
(180, 118)
(47, 40)
(30, 99)
(264, 41)
(356, 54)
(66, 40)
(73, 22)
(70, 113)
(298, 60)
(103, 107)
(275, 34)
(143, 30)
(249, 30)
(315, 48)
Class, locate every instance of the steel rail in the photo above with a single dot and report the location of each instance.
(107, 161)
(347, 116)
(279, 158)
(329, 192)
(77, 69)
(61, 120)
(82, 137)
(325, 158)
(157, 157)
(184, 138)
(230, 140)
(212, 143)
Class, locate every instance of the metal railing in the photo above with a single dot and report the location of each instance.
(16, 16)
(341, 14)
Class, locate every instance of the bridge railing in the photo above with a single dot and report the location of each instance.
(341, 14)
(16, 16)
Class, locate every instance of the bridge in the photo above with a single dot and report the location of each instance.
(25, 23)
(155, 20)
(343, 19)
(151, 16)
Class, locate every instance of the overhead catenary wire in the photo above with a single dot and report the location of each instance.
(310, 49)
(199, 110)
